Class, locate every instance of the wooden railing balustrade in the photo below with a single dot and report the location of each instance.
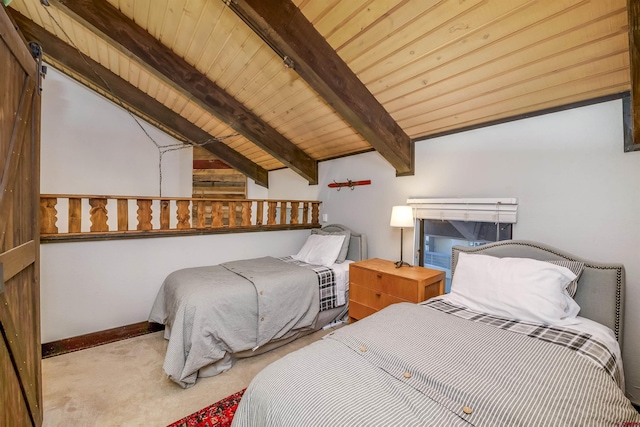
(88, 217)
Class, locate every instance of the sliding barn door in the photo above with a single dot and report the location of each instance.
(20, 351)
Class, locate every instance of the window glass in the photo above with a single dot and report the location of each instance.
(437, 237)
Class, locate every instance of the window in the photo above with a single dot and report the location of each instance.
(444, 223)
(436, 238)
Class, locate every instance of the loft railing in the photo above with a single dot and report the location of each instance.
(65, 217)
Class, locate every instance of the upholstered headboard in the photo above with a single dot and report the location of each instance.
(600, 292)
(357, 243)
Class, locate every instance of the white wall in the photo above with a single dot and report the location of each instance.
(91, 146)
(577, 190)
(93, 286)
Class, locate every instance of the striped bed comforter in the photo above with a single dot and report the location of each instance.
(440, 365)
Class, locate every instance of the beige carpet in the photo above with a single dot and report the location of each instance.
(122, 384)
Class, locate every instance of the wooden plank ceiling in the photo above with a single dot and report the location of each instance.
(288, 83)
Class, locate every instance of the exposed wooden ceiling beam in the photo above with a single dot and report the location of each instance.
(633, 11)
(283, 26)
(107, 20)
(137, 101)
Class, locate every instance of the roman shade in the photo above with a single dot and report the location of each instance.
(497, 210)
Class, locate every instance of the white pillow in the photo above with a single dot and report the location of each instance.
(320, 249)
(345, 243)
(517, 288)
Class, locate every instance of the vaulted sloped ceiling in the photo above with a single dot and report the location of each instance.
(272, 84)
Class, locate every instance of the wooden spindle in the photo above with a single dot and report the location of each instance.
(294, 212)
(259, 212)
(283, 212)
(315, 213)
(182, 214)
(305, 212)
(201, 219)
(271, 212)
(123, 214)
(48, 215)
(98, 214)
(246, 214)
(232, 213)
(165, 214)
(216, 214)
(75, 215)
(144, 214)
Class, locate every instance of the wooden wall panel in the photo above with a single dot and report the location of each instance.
(216, 180)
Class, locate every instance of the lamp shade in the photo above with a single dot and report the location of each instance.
(402, 216)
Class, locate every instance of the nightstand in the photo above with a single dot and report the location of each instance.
(376, 283)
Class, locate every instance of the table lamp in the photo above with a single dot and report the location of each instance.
(401, 216)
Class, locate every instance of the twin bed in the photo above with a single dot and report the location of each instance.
(458, 360)
(214, 315)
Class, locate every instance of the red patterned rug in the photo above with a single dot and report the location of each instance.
(220, 414)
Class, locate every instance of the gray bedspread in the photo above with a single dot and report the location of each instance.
(228, 308)
(412, 365)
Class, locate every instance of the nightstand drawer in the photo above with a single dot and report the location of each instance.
(373, 298)
(385, 283)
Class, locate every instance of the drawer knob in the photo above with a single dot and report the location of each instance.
(379, 275)
(378, 294)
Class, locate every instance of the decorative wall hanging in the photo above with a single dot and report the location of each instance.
(348, 183)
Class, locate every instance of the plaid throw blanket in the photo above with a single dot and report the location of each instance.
(326, 282)
(580, 342)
